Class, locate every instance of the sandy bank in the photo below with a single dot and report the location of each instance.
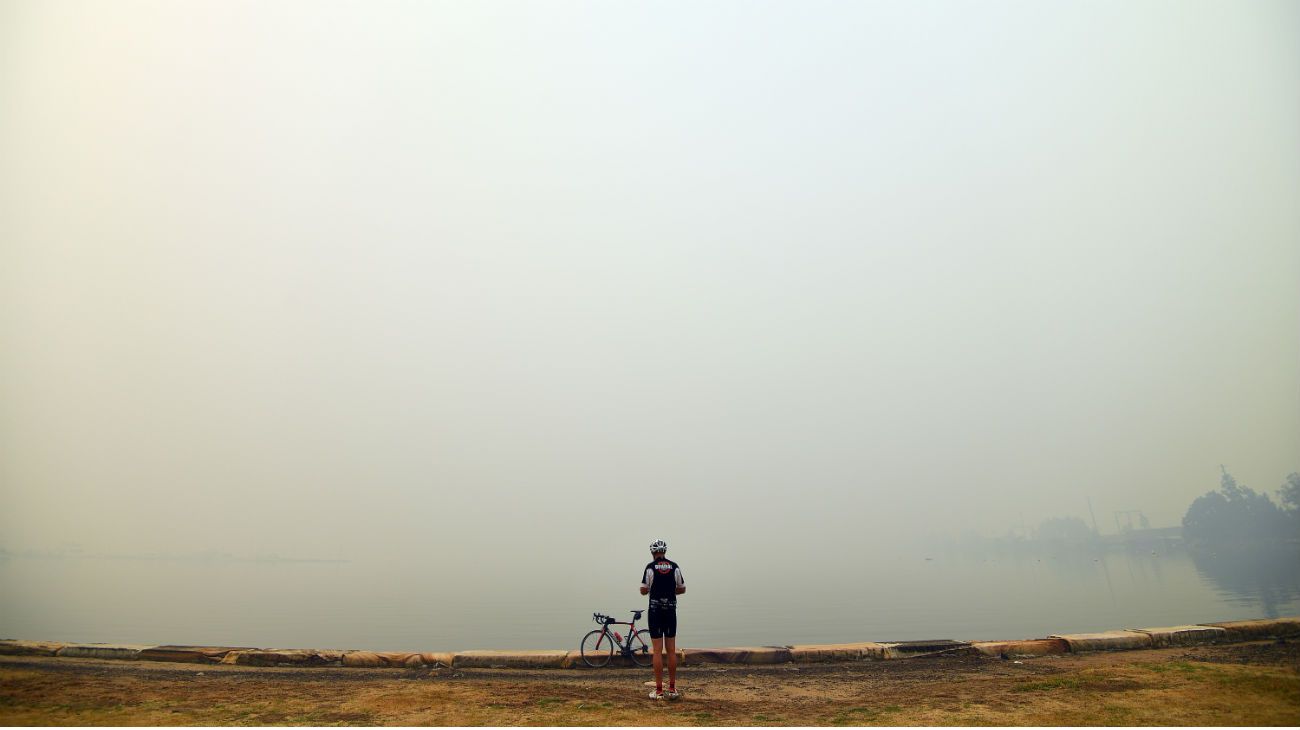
(1253, 683)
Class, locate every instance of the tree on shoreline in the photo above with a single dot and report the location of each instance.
(1065, 530)
(1289, 495)
(1235, 514)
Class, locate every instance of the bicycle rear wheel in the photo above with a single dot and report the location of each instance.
(597, 647)
(642, 647)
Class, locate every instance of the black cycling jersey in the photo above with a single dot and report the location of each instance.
(662, 577)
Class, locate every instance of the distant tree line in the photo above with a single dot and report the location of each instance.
(1232, 515)
(1066, 530)
(1235, 514)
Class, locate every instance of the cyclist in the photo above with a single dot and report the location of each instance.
(662, 581)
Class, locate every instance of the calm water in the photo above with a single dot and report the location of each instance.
(393, 605)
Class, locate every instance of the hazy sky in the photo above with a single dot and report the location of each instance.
(338, 278)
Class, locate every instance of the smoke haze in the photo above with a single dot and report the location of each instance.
(489, 279)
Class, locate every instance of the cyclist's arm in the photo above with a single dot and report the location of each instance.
(680, 587)
(645, 582)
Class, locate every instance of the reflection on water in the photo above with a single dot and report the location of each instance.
(1265, 577)
(785, 597)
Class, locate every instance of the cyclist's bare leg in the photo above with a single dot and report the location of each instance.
(659, 663)
(671, 645)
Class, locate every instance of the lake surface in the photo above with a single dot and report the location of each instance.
(409, 604)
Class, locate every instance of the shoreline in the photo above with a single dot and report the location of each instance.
(1055, 644)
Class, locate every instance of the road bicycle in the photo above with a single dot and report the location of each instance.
(599, 644)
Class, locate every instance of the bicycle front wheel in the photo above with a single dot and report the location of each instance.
(597, 647)
(642, 647)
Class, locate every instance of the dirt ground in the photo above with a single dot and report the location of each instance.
(1240, 684)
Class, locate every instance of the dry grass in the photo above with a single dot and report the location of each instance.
(1229, 685)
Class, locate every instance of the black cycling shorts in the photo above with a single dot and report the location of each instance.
(663, 623)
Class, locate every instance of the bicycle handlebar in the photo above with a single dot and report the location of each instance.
(602, 619)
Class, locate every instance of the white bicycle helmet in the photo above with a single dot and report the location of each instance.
(658, 546)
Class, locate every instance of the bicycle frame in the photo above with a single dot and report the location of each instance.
(626, 646)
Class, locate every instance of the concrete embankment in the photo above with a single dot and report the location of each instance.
(1156, 637)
